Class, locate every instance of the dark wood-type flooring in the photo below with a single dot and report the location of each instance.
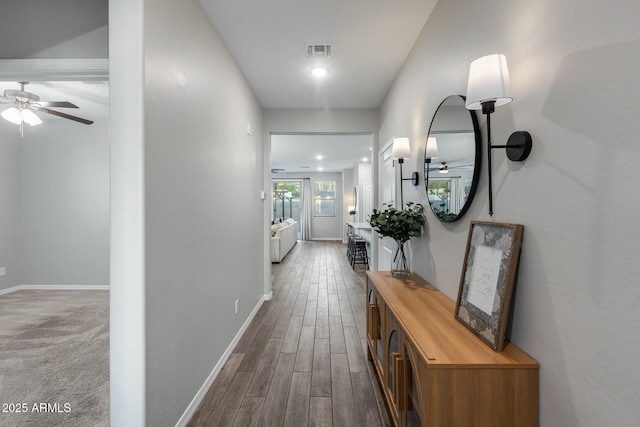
(302, 361)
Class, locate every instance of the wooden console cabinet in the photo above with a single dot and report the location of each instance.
(435, 372)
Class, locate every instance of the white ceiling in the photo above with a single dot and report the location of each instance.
(299, 153)
(370, 41)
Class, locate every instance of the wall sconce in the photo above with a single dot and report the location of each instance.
(488, 88)
(432, 149)
(401, 150)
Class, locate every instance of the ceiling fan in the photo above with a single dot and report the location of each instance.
(443, 167)
(24, 102)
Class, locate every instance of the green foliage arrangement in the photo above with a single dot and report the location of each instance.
(399, 224)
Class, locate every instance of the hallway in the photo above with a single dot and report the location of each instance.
(302, 361)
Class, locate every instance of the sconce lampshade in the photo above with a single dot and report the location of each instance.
(488, 81)
(432, 148)
(401, 148)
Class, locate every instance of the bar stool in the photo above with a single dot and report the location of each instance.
(360, 253)
(351, 245)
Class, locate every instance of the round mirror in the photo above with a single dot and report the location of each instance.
(452, 159)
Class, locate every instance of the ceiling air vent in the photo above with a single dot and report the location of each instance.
(276, 170)
(318, 51)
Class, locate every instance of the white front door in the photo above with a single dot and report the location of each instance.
(387, 190)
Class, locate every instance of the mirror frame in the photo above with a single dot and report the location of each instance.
(477, 161)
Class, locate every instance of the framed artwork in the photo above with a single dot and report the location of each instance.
(488, 276)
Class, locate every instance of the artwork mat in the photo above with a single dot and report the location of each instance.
(508, 238)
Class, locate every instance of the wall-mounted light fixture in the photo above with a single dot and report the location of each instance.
(432, 149)
(402, 150)
(489, 87)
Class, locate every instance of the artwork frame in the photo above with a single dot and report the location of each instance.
(489, 271)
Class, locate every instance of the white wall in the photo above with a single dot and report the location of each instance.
(203, 175)
(10, 206)
(127, 318)
(574, 80)
(64, 203)
(362, 176)
(348, 184)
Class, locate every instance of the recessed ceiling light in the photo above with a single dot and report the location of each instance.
(364, 159)
(320, 168)
(319, 157)
(319, 71)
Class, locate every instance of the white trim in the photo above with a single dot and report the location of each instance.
(197, 399)
(338, 239)
(9, 290)
(55, 288)
(385, 147)
(269, 296)
(59, 69)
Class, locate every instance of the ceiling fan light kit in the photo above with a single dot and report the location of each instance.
(18, 116)
(25, 102)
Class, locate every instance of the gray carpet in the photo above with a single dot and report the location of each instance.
(54, 350)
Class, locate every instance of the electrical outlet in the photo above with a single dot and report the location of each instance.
(237, 305)
(3, 271)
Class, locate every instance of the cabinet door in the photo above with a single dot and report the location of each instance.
(413, 411)
(375, 327)
(394, 367)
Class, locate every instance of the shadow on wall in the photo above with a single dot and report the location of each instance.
(51, 23)
(591, 82)
(594, 94)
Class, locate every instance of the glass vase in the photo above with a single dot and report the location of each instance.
(400, 259)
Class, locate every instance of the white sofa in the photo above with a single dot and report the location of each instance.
(283, 236)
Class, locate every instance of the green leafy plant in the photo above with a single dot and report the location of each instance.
(399, 224)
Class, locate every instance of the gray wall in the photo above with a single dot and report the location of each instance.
(573, 67)
(64, 204)
(203, 175)
(54, 29)
(10, 204)
(54, 215)
(54, 219)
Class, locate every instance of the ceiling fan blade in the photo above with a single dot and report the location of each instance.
(66, 116)
(58, 104)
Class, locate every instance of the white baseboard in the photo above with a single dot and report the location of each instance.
(193, 406)
(9, 290)
(338, 239)
(55, 288)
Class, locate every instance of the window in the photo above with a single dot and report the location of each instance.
(324, 197)
(286, 199)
